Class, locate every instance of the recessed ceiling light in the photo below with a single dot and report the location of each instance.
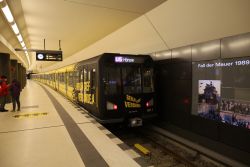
(15, 29)
(7, 13)
(20, 38)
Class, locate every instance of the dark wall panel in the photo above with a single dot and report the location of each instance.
(5, 65)
(163, 68)
(162, 55)
(205, 127)
(235, 136)
(5, 69)
(13, 69)
(235, 46)
(181, 98)
(181, 71)
(206, 51)
(163, 87)
(181, 92)
(182, 54)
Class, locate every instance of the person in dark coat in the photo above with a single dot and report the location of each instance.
(15, 89)
(3, 93)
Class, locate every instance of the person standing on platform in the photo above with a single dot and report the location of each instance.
(3, 93)
(15, 89)
(1, 96)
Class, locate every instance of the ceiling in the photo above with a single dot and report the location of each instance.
(77, 23)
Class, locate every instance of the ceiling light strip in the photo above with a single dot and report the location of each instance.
(8, 15)
(15, 28)
(9, 46)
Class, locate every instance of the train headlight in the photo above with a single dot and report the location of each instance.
(111, 106)
(150, 103)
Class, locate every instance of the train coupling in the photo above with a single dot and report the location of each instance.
(134, 122)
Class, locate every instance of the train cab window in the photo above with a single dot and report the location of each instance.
(131, 77)
(148, 84)
(93, 80)
(112, 81)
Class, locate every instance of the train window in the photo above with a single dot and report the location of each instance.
(148, 84)
(76, 76)
(61, 77)
(112, 81)
(131, 77)
(89, 87)
(93, 80)
(88, 75)
(93, 85)
(86, 81)
(85, 75)
(70, 79)
(81, 76)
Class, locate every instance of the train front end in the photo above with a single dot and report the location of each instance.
(127, 89)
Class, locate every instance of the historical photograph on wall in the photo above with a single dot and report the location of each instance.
(209, 98)
(221, 90)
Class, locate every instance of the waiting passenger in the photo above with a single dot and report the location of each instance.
(15, 89)
(3, 93)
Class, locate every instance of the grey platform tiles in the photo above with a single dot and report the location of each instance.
(140, 160)
(33, 106)
(88, 153)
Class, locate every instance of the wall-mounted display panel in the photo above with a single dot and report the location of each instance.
(221, 90)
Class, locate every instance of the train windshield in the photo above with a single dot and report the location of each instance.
(131, 77)
(148, 84)
(135, 79)
(112, 81)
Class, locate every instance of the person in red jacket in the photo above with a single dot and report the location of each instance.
(3, 93)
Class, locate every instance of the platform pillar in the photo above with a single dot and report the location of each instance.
(5, 68)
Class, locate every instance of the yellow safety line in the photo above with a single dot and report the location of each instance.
(30, 115)
(142, 149)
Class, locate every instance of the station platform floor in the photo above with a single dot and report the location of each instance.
(50, 131)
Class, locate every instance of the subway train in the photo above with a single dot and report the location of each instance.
(113, 88)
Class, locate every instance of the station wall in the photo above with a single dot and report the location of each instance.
(174, 88)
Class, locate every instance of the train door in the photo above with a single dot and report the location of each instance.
(57, 81)
(66, 82)
(93, 85)
(76, 79)
(54, 81)
(112, 103)
(86, 84)
(70, 85)
(89, 87)
(80, 86)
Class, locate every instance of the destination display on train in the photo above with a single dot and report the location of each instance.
(127, 59)
(221, 90)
